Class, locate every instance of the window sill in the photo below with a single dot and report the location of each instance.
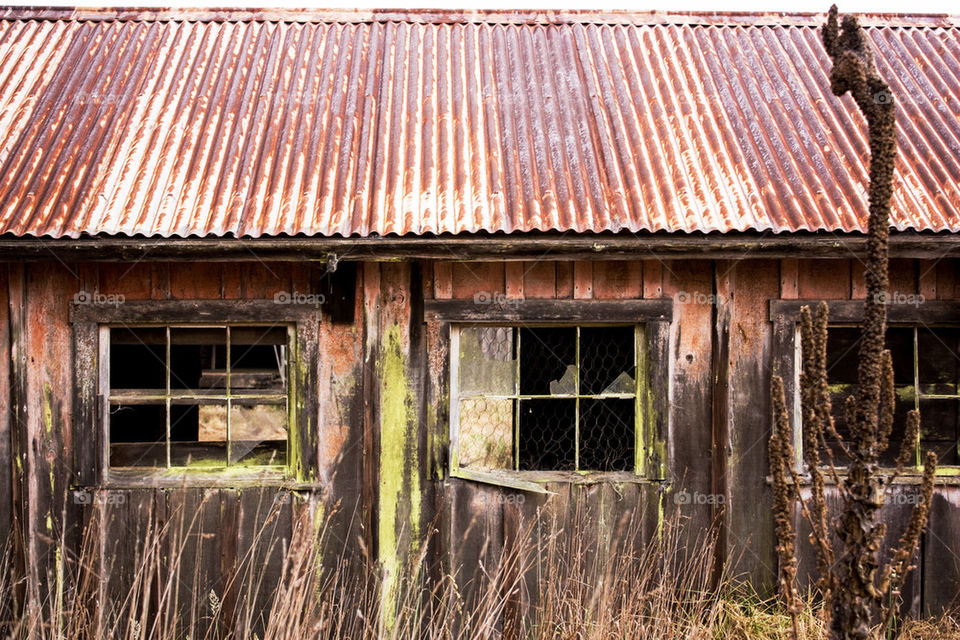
(133, 478)
(533, 481)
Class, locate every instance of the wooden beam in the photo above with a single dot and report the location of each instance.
(599, 311)
(851, 311)
(512, 247)
(193, 311)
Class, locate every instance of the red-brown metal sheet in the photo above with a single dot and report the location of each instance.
(213, 123)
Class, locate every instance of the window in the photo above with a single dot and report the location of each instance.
(926, 366)
(549, 398)
(196, 396)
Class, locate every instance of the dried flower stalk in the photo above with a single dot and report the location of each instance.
(852, 582)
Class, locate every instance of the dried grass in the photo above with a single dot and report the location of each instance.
(560, 581)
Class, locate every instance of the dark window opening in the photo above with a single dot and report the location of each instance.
(203, 397)
(546, 398)
(926, 370)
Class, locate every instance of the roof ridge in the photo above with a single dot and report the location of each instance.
(441, 16)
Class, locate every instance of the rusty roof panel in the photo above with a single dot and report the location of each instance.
(236, 124)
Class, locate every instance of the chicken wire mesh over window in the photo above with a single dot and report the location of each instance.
(546, 398)
(926, 376)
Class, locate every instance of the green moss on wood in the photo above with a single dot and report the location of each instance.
(399, 513)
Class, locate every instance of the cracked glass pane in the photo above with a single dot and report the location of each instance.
(486, 433)
(567, 385)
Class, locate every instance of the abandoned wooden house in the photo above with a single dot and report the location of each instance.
(432, 270)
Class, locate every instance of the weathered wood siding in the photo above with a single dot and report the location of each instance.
(45, 461)
(381, 424)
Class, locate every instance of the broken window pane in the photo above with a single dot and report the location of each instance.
(938, 362)
(607, 434)
(257, 358)
(932, 361)
(487, 361)
(938, 428)
(138, 358)
(258, 432)
(210, 369)
(486, 433)
(195, 352)
(843, 345)
(546, 353)
(138, 435)
(198, 435)
(530, 422)
(567, 385)
(547, 434)
(607, 360)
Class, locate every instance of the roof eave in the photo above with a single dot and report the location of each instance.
(483, 246)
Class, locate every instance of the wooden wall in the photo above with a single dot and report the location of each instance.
(38, 484)
(382, 447)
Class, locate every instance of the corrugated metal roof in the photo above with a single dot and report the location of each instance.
(183, 123)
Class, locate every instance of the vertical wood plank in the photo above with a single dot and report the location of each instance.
(721, 427)
(302, 276)
(133, 281)
(617, 279)
(858, 282)
(652, 279)
(87, 430)
(341, 456)
(824, 278)
(401, 507)
(482, 281)
(49, 384)
(927, 279)
(232, 281)
(749, 500)
(370, 496)
(689, 454)
(7, 472)
(583, 280)
(443, 280)
(160, 280)
(513, 274)
(788, 278)
(941, 552)
(195, 280)
(7, 431)
(946, 279)
(656, 401)
(19, 432)
(229, 558)
(428, 276)
(903, 277)
(540, 279)
(565, 279)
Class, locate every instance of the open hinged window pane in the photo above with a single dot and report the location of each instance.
(553, 398)
(210, 397)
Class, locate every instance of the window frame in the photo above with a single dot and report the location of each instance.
(168, 396)
(651, 319)
(91, 326)
(786, 357)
